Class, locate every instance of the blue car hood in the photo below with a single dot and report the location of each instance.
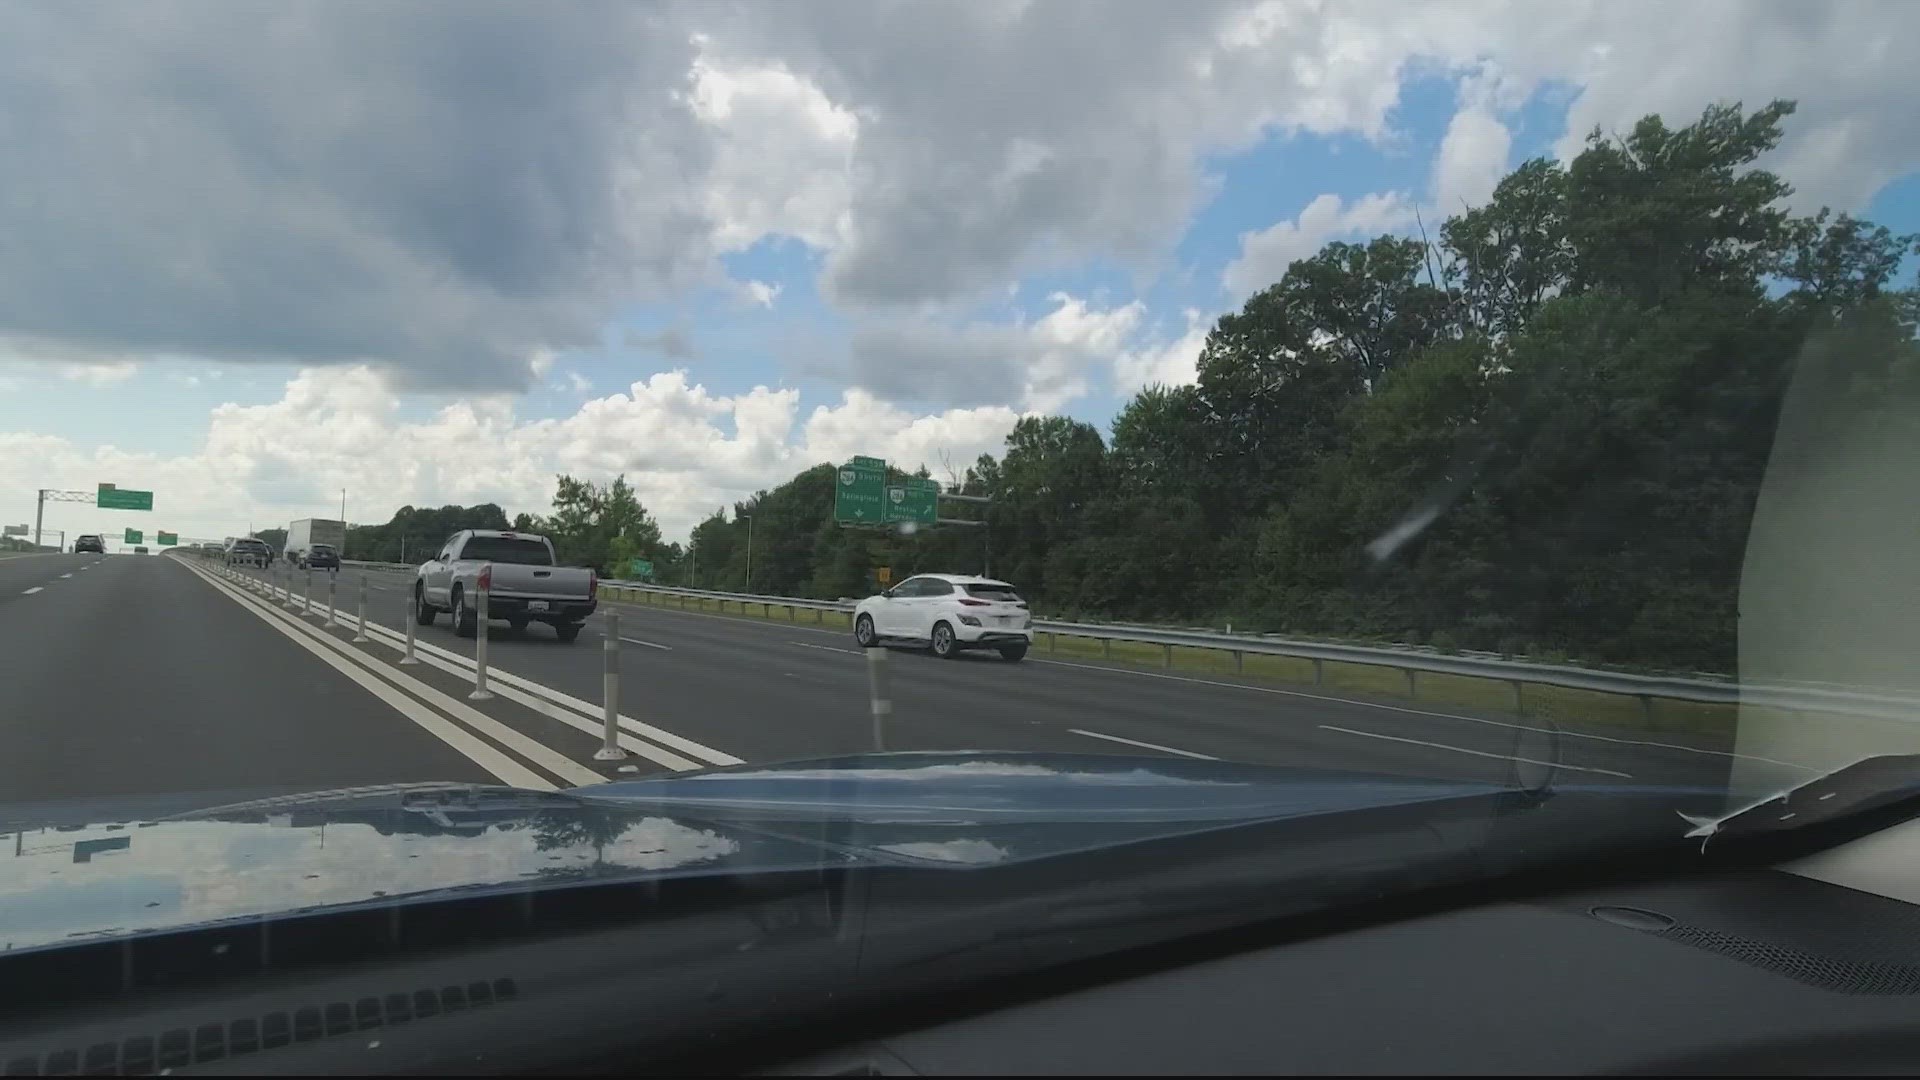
(137, 868)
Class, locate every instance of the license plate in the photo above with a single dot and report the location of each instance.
(536, 605)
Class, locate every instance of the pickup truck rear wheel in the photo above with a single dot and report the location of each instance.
(567, 630)
(423, 612)
(517, 624)
(466, 622)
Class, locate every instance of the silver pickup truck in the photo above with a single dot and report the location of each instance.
(526, 585)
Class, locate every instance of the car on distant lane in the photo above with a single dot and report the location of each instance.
(947, 613)
(320, 557)
(89, 543)
(249, 551)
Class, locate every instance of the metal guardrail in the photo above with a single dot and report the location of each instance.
(1857, 701)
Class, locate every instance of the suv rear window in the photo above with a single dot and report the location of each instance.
(322, 549)
(993, 592)
(506, 550)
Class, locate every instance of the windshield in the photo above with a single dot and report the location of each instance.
(506, 550)
(1421, 400)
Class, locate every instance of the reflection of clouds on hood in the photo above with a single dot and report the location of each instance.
(970, 852)
(959, 770)
(197, 871)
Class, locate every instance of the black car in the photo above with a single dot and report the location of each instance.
(248, 551)
(322, 556)
(89, 543)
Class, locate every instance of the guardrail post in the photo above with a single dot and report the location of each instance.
(610, 693)
(1166, 657)
(819, 616)
(407, 658)
(480, 691)
(1412, 690)
(1239, 661)
(286, 594)
(1519, 702)
(306, 595)
(1646, 710)
(1319, 671)
(1053, 641)
(360, 632)
(333, 581)
(877, 699)
(1106, 648)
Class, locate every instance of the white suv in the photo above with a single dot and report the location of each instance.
(948, 612)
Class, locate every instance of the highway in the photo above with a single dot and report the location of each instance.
(141, 675)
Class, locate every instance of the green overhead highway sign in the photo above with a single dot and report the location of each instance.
(169, 538)
(112, 498)
(640, 569)
(135, 536)
(914, 499)
(860, 492)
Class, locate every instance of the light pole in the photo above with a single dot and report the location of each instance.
(749, 518)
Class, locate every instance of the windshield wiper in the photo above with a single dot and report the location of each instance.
(1867, 784)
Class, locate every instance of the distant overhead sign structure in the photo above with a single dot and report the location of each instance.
(135, 536)
(16, 530)
(109, 497)
(862, 496)
(168, 538)
(641, 569)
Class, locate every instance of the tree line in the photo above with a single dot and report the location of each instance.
(1540, 430)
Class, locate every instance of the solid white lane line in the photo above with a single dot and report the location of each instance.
(648, 644)
(533, 750)
(394, 639)
(469, 745)
(33, 590)
(826, 648)
(1142, 745)
(527, 747)
(1476, 753)
(1403, 709)
(63, 577)
(659, 756)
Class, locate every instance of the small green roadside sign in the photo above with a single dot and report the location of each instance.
(108, 497)
(640, 569)
(135, 536)
(168, 538)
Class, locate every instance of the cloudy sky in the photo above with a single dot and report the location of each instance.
(252, 254)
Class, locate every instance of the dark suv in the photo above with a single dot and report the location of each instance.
(89, 543)
(322, 556)
(248, 551)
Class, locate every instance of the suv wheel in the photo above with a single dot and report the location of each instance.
(943, 643)
(863, 632)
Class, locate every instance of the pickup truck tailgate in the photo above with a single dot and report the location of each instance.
(548, 582)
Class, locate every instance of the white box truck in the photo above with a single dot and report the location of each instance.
(305, 534)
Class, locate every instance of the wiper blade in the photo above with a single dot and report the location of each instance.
(1866, 784)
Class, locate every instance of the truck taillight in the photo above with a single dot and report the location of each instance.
(486, 576)
(593, 583)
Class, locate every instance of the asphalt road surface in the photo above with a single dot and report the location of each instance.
(128, 674)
